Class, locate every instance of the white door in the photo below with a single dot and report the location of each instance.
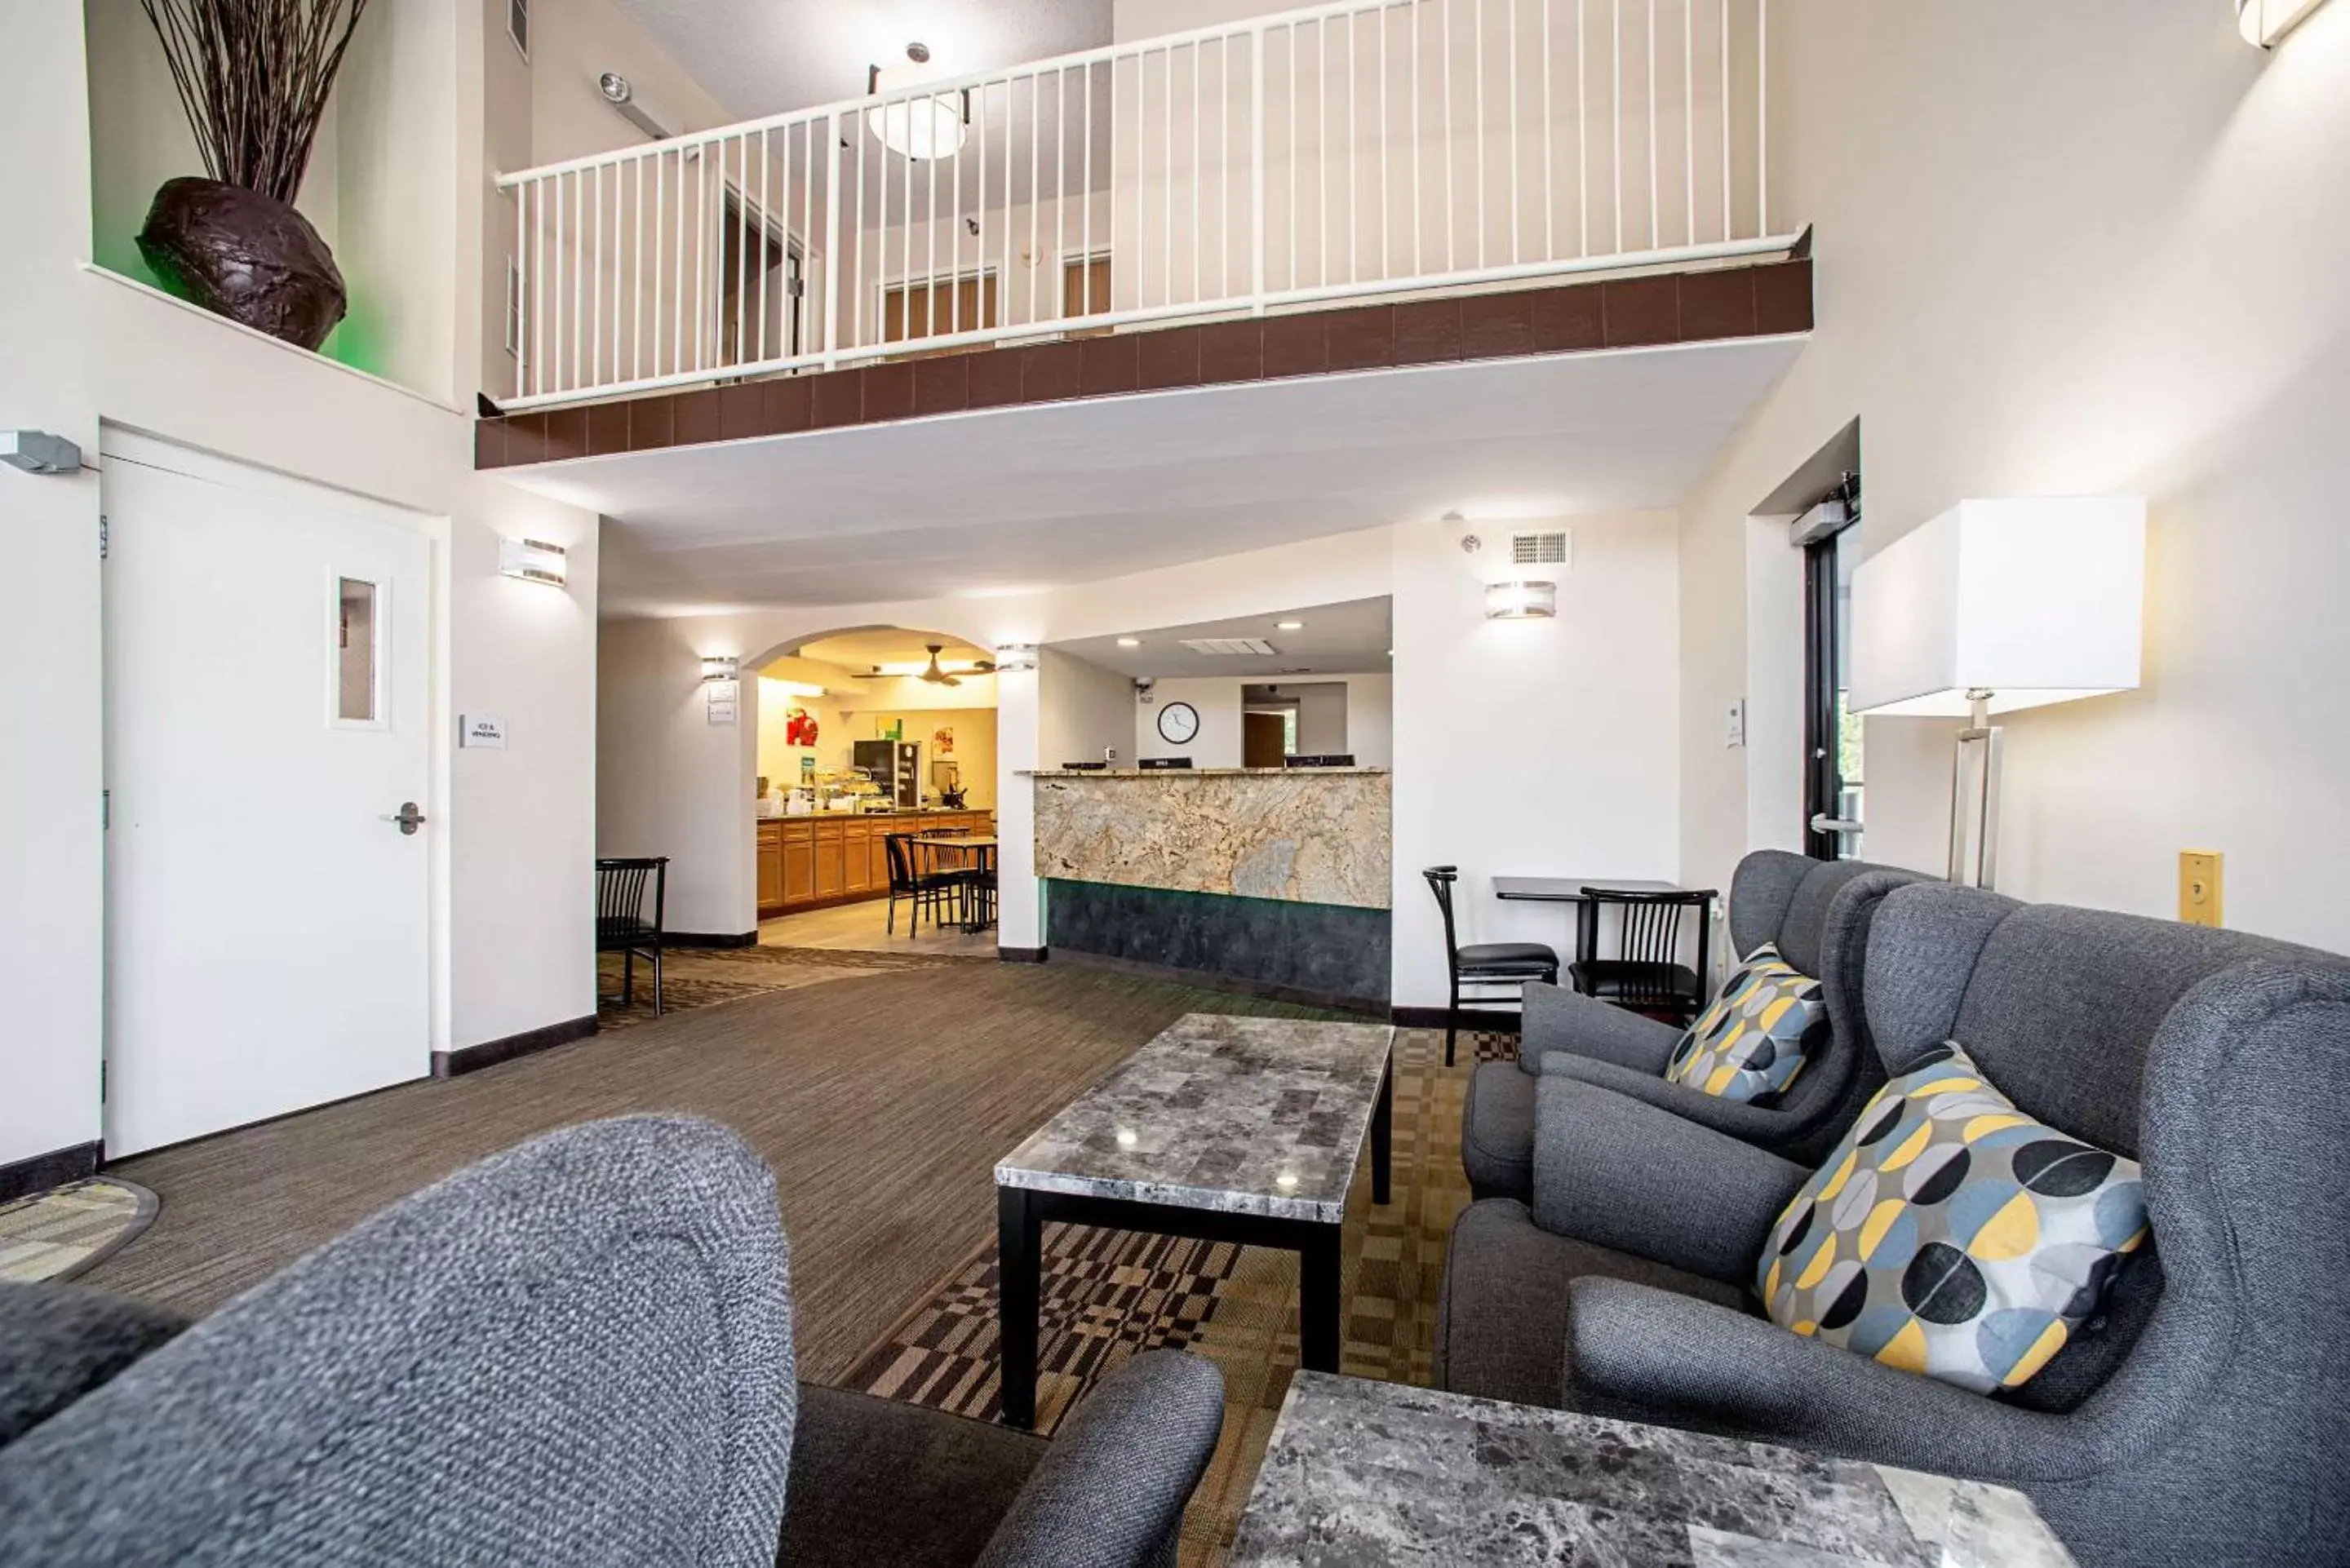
(267, 699)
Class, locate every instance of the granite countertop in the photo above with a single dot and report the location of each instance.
(1241, 1115)
(1188, 773)
(1382, 1475)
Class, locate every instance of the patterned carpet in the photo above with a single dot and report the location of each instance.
(702, 977)
(56, 1234)
(1109, 1294)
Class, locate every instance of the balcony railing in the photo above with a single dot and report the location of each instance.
(1372, 148)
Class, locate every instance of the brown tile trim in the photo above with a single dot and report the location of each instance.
(1765, 299)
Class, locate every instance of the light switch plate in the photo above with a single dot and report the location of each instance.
(1734, 731)
(2202, 883)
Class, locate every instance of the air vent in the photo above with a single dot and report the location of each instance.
(1545, 549)
(1229, 647)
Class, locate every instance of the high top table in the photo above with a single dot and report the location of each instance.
(1389, 1477)
(1244, 1130)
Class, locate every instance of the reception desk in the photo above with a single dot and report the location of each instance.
(1279, 877)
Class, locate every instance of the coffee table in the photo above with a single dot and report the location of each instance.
(1369, 1472)
(1244, 1130)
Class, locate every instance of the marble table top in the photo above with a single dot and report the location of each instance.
(1382, 1475)
(1241, 1115)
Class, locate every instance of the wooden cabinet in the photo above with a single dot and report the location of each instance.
(807, 862)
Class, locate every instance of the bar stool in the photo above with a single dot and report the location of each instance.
(1483, 964)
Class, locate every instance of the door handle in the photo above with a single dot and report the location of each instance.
(1822, 822)
(408, 816)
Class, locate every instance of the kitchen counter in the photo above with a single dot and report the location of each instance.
(826, 857)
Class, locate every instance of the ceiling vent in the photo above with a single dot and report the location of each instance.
(1229, 647)
(1542, 549)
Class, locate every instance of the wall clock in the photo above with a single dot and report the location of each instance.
(1178, 723)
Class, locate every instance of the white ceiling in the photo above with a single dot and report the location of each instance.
(1350, 639)
(769, 57)
(1024, 499)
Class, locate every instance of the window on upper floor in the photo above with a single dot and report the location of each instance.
(518, 24)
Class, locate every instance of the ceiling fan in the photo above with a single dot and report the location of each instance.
(934, 675)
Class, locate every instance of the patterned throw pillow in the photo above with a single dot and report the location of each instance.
(1750, 1043)
(1951, 1234)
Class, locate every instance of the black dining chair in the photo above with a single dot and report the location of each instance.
(1646, 974)
(914, 875)
(1483, 965)
(620, 924)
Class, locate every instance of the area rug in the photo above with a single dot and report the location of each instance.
(1109, 1294)
(704, 977)
(56, 1234)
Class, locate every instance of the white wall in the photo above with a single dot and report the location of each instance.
(1083, 710)
(512, 886)
(2106, 239)
(1531, 748)
(1371, 720)
(1217, 700)
(1352, 712)
(51, 764)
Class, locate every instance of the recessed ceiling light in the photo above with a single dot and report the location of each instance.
(1129, 642)
(1289, 626)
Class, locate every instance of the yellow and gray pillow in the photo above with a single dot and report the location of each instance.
(1749, 1044)
(1951, 1234)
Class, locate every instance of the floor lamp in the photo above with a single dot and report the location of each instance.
(1992, 607)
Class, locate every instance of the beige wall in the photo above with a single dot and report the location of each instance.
(2086, 248)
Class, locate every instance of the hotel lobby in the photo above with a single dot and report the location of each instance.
(1145, 783)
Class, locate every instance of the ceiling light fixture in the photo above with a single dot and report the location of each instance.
(2264, 22)
(1129, 642)
(1289, 626)
(928, 125)
(1520, 600)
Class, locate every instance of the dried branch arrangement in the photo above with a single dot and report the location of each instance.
(254, 75)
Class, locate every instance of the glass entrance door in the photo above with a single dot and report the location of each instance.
(1832, 735)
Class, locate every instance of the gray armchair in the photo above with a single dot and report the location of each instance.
(1818, 912)
(577, 1352)
(2197, 1420)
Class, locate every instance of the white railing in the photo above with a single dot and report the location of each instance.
(1374, 147)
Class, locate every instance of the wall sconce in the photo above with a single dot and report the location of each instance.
(2263, 22)
(1013, 656)
(1521, 600)
(721, 667)
(532, 560)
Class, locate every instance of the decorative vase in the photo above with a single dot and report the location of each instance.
(245, 255)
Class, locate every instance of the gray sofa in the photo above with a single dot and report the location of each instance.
(2202, 1419)
(1818, 912)
(577, 1352)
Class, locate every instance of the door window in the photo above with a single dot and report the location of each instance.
(357, 660)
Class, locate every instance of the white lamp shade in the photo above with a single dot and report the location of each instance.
(2033, 600)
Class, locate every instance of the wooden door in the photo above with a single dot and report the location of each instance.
(1084, 291)
(1262, 740)
(936, 307)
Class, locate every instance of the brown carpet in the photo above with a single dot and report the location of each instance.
(882, 1102)
(1109, 1294)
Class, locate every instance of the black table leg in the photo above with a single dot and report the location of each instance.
(1018, 1271)
(1317, 1299)
(1383, 1134)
